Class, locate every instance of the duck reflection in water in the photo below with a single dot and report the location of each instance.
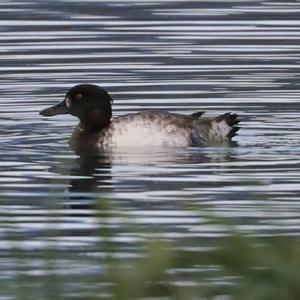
(91, 179)
(110, 174)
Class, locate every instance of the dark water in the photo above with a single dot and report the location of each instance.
(181, 56)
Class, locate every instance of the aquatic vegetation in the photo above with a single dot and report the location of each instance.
(236, 266)
(240, 267)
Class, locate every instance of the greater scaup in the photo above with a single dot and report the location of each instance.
(92, 105)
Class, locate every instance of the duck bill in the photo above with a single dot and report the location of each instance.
(57, 109)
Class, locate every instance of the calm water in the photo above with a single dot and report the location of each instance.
(181, 56)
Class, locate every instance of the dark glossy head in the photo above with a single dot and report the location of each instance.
(89, 103)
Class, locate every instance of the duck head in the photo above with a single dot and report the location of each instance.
(89, 103)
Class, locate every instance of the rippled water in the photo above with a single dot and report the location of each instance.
(181, 56)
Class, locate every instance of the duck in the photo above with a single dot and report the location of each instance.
(92, 105)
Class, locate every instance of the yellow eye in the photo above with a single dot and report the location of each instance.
(78, 96)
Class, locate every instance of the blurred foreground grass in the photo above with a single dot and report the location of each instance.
(243, 268)
(238, 266)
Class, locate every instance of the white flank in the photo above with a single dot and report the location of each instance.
(137, 132)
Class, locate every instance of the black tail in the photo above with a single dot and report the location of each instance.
(232, 120)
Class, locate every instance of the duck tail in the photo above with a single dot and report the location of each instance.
(228, 122)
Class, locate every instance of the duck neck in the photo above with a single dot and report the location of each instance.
(95, 120)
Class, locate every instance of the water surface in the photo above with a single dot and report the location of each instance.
(180, 56)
